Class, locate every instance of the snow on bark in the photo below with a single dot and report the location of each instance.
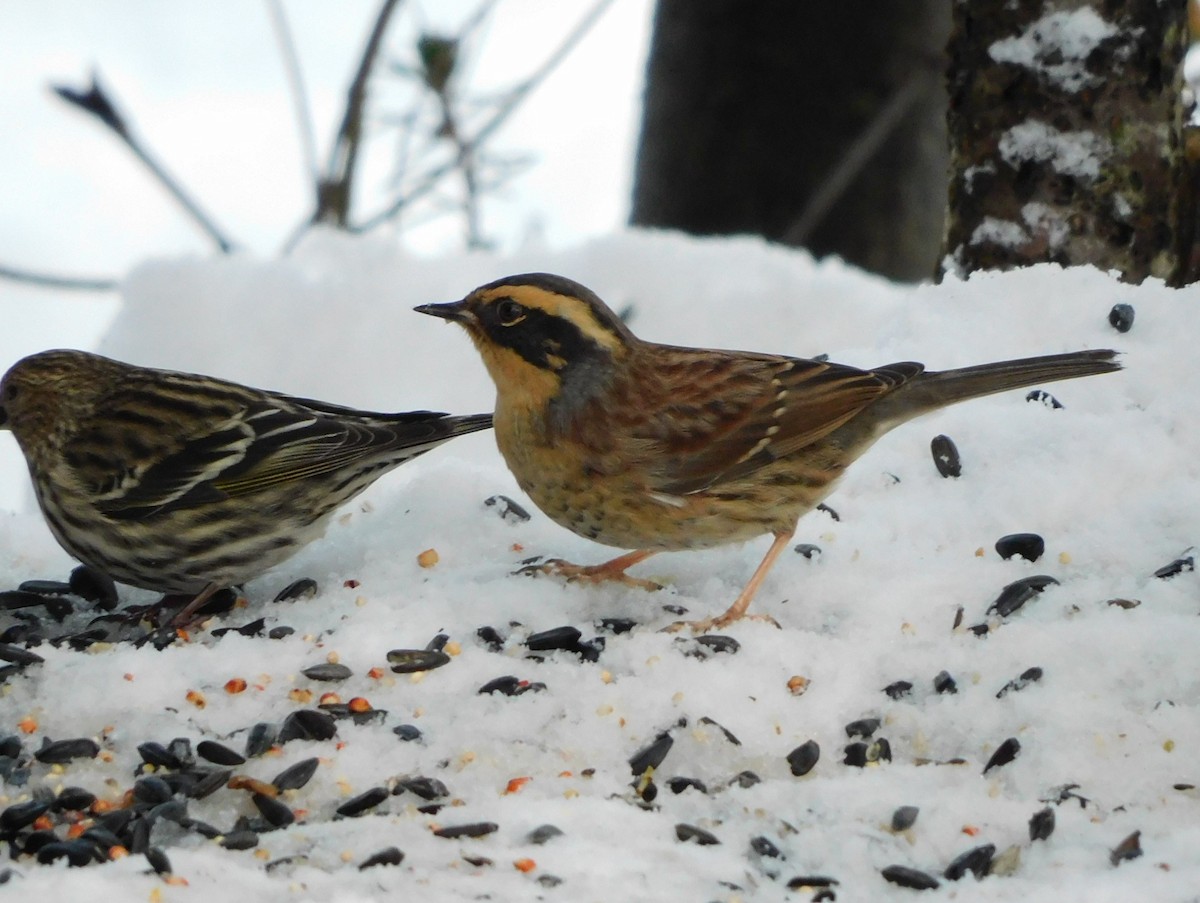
(1065, 126)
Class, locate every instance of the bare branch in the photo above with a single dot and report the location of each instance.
(97, 102)
(49, 280)
(504, 110)
(333, 193)
(295, 77)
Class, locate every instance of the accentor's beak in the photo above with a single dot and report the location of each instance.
(456, 312)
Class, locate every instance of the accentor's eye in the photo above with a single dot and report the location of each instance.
(509, 312)
(10, 392)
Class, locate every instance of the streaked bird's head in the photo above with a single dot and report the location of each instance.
(543, 338)
(42, 392)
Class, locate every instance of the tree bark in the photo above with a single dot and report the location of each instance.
(818, 123)
(1066, 134)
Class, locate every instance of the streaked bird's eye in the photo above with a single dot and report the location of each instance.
(509, 312)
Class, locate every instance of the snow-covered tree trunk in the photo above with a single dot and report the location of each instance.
(1066, 124)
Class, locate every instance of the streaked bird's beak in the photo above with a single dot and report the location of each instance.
(456, 312)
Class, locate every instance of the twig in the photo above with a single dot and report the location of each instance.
(861, 151)
(295, 77)
(96, 102)
(498, 118)
(333, 192)
(48, 280)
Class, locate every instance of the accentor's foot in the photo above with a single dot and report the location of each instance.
(613, 571)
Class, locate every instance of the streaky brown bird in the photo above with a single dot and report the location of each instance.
(183, 483)
(656, 447)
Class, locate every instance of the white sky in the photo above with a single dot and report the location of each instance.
(204, 84)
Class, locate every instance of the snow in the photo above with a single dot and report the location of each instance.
(1071, 153)
(1057, 46)
(1109, 480)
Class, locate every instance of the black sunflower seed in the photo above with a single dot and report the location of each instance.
(296, 776)
(34, 841)
(693, 834)
(61, 751)
(1017, 593)
(409, 661)
(94, 586)
(307, 724)
(763, 847)
(944, 683)
(15, 599)
(904, 817)
(804, 757)
(507, 685)
(680, 784)
(386, 856)
(863, 727)
(10, 746)
(945, 456)
(476, 829)
(977, 861)
(1045, 398)
(1120, 317)
(158, 861)
(808, 550)
(158, 755)
(555, 638)
(304, 588)
(898, 689)
(651, 755)
(490, 638)
(76, 852)
(508, 509)
(1176, 567)
(745, 779)
(18, 656)
(855, 755)
(811, 881)
(208, 781)
(327, 671)
(364, 802)
(407, 732)
(717, 643)
(617, 625)
(239, 840)
(152, 790)
(277, 813)
(426, 788)
(278, 633)
(1028, 676)
(1029, 546)
(1129, 848)
(725, 732)
(1005, 753)
(22, 815)
(73, 799)
(1041, 824)
(260, 739)
(45, 587)
(911, 878)
(218, 753)
(543, 833)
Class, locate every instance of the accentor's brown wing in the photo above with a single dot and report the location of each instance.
(742, 411)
